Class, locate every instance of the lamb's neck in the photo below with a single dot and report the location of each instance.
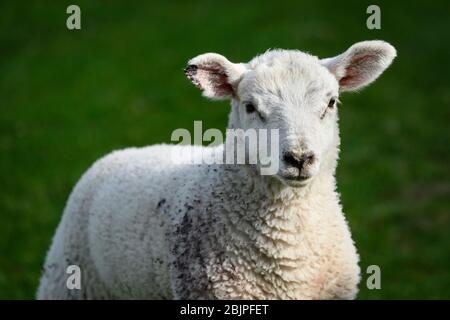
(263, 191)
(268, 209)
(265, 224)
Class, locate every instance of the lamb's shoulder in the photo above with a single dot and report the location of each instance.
(334, 260)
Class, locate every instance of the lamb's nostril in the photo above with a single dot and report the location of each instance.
(291, 159)
(309, 158)
(299, 161)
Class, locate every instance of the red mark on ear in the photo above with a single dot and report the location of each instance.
(209, 77)
(354, 72)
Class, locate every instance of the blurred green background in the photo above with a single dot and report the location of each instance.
(69, 97)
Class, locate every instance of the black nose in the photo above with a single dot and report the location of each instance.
(299, 161)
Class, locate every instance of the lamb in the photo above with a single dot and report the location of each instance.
(140, 226)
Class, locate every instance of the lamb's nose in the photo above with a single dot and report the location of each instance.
(298, 161)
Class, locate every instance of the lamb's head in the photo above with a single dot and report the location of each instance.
(293, 92)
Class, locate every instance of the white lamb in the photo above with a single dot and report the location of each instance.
(141, 226)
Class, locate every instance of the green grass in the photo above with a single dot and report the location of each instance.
(69, 97)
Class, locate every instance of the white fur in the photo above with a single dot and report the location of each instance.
(140, 226)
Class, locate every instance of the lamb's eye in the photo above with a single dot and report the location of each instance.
(250, 107)
(332, 103)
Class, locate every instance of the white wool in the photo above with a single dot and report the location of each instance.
(142, 226)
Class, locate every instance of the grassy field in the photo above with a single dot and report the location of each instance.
(69, 97)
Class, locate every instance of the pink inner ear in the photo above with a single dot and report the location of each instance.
(212, 80)
(354, 72)
(216, 80)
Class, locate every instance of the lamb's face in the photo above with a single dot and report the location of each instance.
(295, 93)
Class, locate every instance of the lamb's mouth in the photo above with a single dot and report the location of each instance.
(295, 180)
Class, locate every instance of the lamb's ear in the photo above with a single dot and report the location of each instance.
(214, 75)
(361, 64)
